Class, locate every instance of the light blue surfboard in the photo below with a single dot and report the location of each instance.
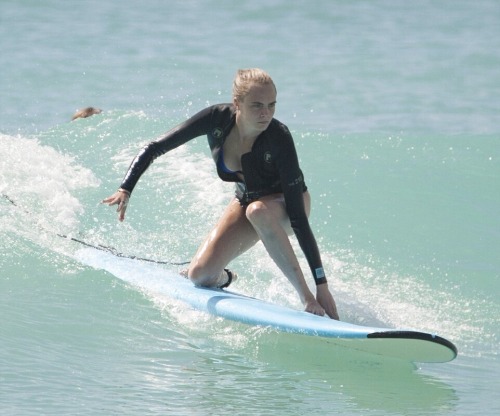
(405, 344)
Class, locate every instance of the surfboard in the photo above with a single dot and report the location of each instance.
(405, 344)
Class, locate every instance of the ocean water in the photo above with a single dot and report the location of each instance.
(395, 110)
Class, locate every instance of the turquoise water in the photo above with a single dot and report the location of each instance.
(395, 110)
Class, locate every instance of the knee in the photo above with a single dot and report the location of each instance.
(199, 274)
(196, 274)
(260, 215)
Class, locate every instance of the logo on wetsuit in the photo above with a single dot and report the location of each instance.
(217, 133)
(267, 157)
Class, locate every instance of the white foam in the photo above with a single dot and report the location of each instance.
(41, 180)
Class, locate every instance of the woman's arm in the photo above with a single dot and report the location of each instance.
(293, 185)
(196, 126)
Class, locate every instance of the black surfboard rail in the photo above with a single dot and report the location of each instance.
(416, 335)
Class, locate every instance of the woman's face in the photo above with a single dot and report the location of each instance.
(256, 110)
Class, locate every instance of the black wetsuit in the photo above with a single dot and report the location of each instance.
(270, 167)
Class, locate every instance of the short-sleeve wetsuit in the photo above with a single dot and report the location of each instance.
(270, 167)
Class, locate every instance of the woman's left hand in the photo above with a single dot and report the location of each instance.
(325, 299)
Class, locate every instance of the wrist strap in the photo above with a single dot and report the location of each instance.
(319, 276)
(124, 191)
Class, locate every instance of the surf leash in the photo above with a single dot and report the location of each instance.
(107, 249)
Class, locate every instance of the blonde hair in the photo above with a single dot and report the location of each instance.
(245, 78)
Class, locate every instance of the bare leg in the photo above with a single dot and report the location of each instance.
(269, 219)
(241, 228)
(232, 236)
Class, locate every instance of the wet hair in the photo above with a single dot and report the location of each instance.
(86, 112)
(245, 78)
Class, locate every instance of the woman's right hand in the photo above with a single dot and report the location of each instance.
(119, 198)
(313, 306)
